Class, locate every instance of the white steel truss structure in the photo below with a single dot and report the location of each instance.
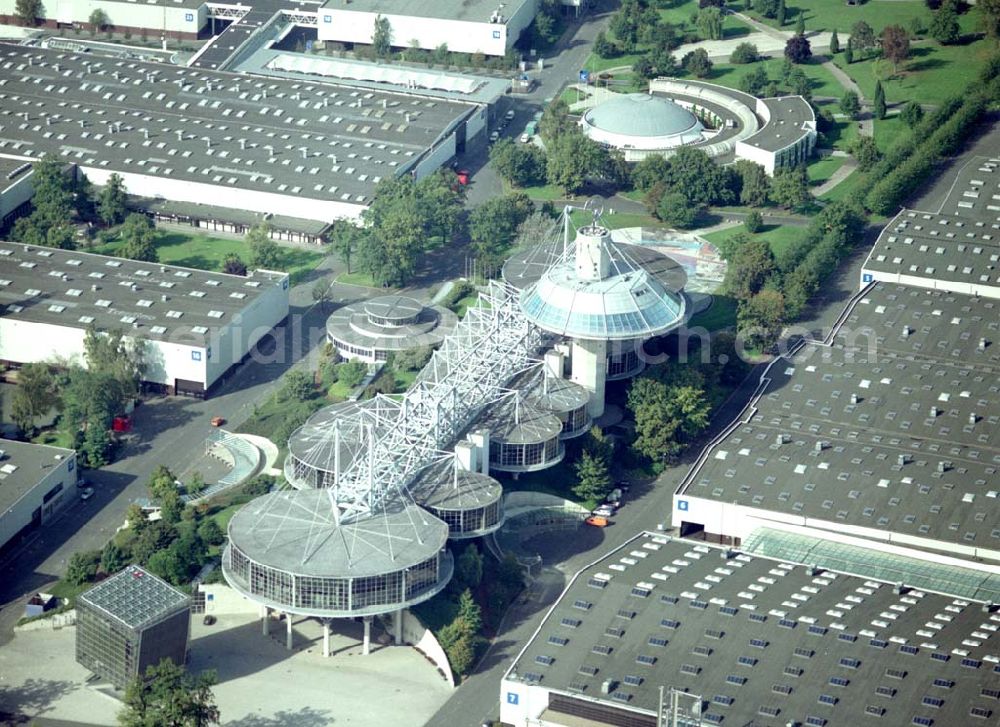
(226, 12)
(375, 451)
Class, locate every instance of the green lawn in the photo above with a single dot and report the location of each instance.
(932, 74)
(828, 15)
(821, 80)
(617, 220)
(778, 236)
(721, 315)
(196, 250)
(54, 438)
(544, 192)
(888, 131)
(822, 169)
(840, 134)
(357, 278)
(597, 64)
(679, 15)
(843, 189)
(462, 305)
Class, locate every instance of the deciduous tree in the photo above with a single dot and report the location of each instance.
(790, 187)
(760, 319)
(912, 114)
(26, 12)
(232, 264)
(797, 49)
(382, 37)
(264, 252)
(850, 104)
(744, 53)
(111, 201)
(944, 26)
(469, 568)
(862, 36)
(139, 238)
(895, 44)
(709, 22)
(755, 185)
(593, 477)
(750, 267)
(167, 696)
(35, 395)
(698, 63)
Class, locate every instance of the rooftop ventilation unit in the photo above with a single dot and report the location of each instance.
(608, 686)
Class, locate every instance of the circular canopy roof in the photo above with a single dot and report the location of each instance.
(295, 531)
(641, 120)
(394, 308)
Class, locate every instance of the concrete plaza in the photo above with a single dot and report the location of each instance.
(260, 683)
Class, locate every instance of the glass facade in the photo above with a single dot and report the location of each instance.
(534, 455)
(576, 422)
(623, 364)
(336, 595)
(470, 520)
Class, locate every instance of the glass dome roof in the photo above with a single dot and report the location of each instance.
(641, 115)
(629, 303)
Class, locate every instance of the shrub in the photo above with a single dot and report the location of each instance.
(744, 53)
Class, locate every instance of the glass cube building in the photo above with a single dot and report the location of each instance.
(130, 622)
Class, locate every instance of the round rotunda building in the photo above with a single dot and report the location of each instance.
(641, 121)
(371, 330)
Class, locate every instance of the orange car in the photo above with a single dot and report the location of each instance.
(218, 421)
(597, 521)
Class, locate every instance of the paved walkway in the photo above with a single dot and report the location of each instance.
(836, 178)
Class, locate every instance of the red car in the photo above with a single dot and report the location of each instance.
(218, 421)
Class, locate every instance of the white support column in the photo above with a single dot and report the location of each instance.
(265, 620)
(366, 646)
(326, 637)
(590, 369)
(397, 627)
(288, 634)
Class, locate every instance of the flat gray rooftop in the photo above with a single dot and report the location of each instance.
(763, 641)
(135, 597)
(284, 137)
(894, 427)
(11, 171)
(162, 302)
(958, 244)
(465, 10)
(23, 466)
(789, 115)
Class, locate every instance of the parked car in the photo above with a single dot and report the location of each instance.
(525, 138)
(605, 510)
(509, 115)
(87, 494)
(597, 521)
(494, 136)
(82, 483)
(218, 421)
(615, 497)
(463, 176)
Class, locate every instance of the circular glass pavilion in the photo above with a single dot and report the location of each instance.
(326, 442)
(370, 330)
(470, 503)
(287, 552)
